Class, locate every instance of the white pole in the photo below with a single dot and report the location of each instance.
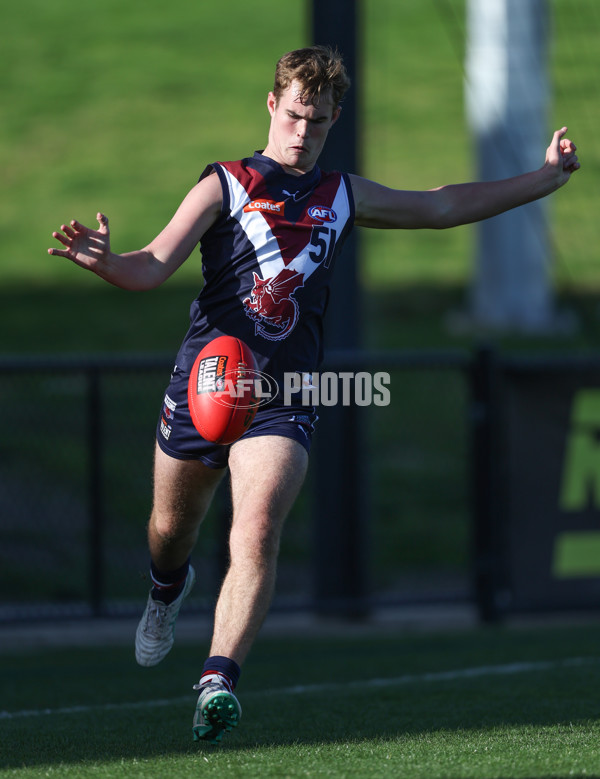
(506, 102)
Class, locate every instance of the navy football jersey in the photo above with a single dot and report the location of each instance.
(267, 263)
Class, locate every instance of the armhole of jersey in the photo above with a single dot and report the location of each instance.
(214, 167)
(350, 196)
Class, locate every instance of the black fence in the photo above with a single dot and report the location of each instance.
(536, 483)
(419, 500)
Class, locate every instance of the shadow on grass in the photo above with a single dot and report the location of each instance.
(95, 317)
(336, 713)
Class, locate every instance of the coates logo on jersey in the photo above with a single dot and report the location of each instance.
(271, 306)
(322, 214)
(266, 206)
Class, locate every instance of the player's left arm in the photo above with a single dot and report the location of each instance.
(456, 204)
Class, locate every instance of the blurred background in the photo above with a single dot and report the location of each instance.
(118, 108)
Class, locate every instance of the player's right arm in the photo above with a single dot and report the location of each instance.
(151, 266)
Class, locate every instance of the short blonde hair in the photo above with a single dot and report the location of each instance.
(317, 69)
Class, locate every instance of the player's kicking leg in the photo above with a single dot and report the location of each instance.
(183, 490)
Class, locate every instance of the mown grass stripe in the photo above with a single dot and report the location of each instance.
(507, 669)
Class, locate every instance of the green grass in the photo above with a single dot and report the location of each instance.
(503, 702)
(122, 112)
(120, 108)
(416, 136)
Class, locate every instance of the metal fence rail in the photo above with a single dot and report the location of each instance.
(75, 484)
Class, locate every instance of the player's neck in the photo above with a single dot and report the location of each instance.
(292, 170)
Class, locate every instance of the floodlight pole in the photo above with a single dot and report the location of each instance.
(506, 95)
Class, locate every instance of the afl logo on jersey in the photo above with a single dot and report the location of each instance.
(322, 214)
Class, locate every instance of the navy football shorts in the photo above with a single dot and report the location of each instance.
(177, 436)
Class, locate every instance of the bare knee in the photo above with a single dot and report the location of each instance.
(256, 540)
(168, 527)
(183, 491)
(179, 481)
(262, 497)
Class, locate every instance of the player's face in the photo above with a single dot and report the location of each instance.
(298, 130)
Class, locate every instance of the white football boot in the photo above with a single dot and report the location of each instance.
(155, 634)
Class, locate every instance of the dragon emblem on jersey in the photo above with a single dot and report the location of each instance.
(271, 304)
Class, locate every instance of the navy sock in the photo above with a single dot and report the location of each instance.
(222, 669)
(168, 585)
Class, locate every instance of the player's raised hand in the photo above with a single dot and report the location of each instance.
(560, 156)
(86, 247)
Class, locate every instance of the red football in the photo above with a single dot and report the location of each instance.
(221, 392)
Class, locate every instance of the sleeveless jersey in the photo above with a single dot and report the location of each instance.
(267, 263)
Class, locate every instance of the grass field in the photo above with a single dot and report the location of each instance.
(122, 112)
(119, 107)
(122, 109)
(503, 703)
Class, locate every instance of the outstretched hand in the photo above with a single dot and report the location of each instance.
(560, 156)
(84, 246)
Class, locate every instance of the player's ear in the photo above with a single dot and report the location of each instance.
(271, 103)
(336, 114)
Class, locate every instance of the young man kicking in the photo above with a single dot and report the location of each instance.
(270, 228)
